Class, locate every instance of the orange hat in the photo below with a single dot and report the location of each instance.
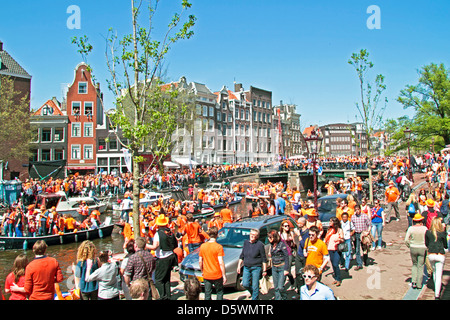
(162, 220)
(418, 217)
(430, 203)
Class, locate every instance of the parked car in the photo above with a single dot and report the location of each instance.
(327, 208)
(232, 237)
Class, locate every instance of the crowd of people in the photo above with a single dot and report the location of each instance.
(168, 232)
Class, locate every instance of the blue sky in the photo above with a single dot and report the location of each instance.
(297, 49)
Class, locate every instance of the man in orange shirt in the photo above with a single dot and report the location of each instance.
(212, 265)
(216, 221)
(41, 274)
(192, 229)
(316, 251)
(226, 214)
(392, 195)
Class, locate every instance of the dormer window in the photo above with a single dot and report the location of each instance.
(46, 110)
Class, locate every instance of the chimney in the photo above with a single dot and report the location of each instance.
(1, 46)
(237, 87)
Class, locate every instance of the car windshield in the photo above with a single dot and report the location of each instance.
(328, 205)
(233, 237)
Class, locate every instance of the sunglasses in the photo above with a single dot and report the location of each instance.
(308, 276)
(286, 226)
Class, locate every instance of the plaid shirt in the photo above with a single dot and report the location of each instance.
(360, 223)
(135, 268)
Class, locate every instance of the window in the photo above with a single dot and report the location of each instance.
(88, 130)
(76, 129)
(46, 135)
(211, 111)
(88, 109)
(46, 110)
(101, 144)
(103, 162)
(88, 151)
(82, 88)
(76, 108)
(113, 144)
(205, 111)
(59, 134)
(34, 155)
(45, 153)
(59, 154)
(76, 152)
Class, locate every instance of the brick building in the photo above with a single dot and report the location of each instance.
(9, 67)
(85, 112)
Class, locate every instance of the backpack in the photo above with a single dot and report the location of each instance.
(411, 209)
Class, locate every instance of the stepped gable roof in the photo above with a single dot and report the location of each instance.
(9, 66)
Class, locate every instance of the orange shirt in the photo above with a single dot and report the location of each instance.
(193, 230)
(226, 215)
(70, 223)
(215, 223)
(316, 251)
(210, 251)
(128, 232)
(392, 194)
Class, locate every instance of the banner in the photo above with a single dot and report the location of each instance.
(127, 157)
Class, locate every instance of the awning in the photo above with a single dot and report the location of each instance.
(170, 164)
(81, 168)
(185, 162)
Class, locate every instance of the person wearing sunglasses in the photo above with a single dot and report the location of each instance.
(313, 289)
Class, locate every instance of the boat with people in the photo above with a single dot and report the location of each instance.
(221, 204)
(147, 198)
(25, 243)
(69, 205)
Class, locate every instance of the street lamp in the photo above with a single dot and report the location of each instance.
(313, 142)
(407, 133)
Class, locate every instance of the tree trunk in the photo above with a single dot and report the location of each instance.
(136, 193)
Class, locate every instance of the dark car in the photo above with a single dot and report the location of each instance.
(327, 207)
(232, 237)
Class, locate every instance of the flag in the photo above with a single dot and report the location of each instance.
(127, 156)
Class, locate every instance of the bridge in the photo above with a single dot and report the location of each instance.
(302, 178)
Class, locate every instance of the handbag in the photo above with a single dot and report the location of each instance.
(151, 284)
(265, 285)
(342, 247)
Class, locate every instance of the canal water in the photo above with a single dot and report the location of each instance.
(66, 254)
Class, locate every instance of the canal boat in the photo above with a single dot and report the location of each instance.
(24, 243)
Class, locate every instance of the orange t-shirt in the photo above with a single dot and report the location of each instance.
(210, 251)
(215, 223)
(226, 215)
(193, 230)
(392, 194)
(316, 252)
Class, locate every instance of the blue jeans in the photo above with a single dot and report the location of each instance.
(278, 282)
(359, 261)
(335, 257)
(346, 256)
(377, 229)
(250, 280)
